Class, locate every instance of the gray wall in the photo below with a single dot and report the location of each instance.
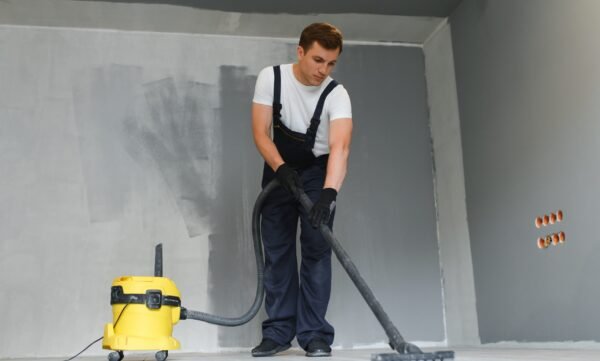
(386, 215)
(437, 8)
(221, 18)
(528, 88)
(452, 228)
(112, 141)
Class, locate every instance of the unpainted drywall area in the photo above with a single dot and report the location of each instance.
(528, 82)
(113, 141)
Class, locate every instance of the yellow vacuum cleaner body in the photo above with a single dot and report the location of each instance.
(144, 312)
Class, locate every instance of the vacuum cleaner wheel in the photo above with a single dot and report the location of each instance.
(161, 355)
(115, 356)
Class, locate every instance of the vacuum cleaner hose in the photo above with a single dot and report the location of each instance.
(396, 340)
(260, 267)
(405, 351)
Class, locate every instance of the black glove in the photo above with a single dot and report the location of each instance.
(321, 210)
(289, 178)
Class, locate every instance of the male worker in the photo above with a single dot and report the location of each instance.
(311, 119)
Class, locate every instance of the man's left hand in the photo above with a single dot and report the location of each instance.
(323, 207)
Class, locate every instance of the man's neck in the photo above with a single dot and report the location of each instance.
(298, 74)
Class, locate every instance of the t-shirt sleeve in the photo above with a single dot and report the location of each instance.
(339, 104)
(263, 90)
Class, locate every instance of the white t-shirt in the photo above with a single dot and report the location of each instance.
(299, 102)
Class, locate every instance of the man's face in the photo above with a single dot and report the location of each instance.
(316, 63)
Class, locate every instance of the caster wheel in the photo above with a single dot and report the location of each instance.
(115, 356)
(161, 355)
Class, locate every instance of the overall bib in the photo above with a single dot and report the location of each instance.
(296, 305)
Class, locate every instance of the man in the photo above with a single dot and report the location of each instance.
(311, 119)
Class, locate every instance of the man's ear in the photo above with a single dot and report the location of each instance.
(300, 52)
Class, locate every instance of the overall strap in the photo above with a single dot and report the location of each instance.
(311, 132)
(277, 94)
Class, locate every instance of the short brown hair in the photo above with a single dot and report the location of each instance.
(327, 35)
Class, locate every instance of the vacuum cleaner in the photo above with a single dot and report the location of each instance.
(145, 309)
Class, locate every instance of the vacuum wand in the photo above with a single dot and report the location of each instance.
(406, 351)
(396, 340)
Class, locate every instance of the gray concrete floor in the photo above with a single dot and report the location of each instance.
(462, 354)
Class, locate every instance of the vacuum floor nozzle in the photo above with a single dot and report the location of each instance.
(424, 356)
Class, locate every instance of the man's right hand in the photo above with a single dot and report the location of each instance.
(289, 179)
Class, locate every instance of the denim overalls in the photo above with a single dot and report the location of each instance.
(296, 306)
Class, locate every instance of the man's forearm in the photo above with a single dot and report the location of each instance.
(336, 167)
(261, 130)
(269, 152)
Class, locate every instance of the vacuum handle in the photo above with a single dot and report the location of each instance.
(158, 261)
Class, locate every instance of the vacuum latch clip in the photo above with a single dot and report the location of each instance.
(154, 299)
